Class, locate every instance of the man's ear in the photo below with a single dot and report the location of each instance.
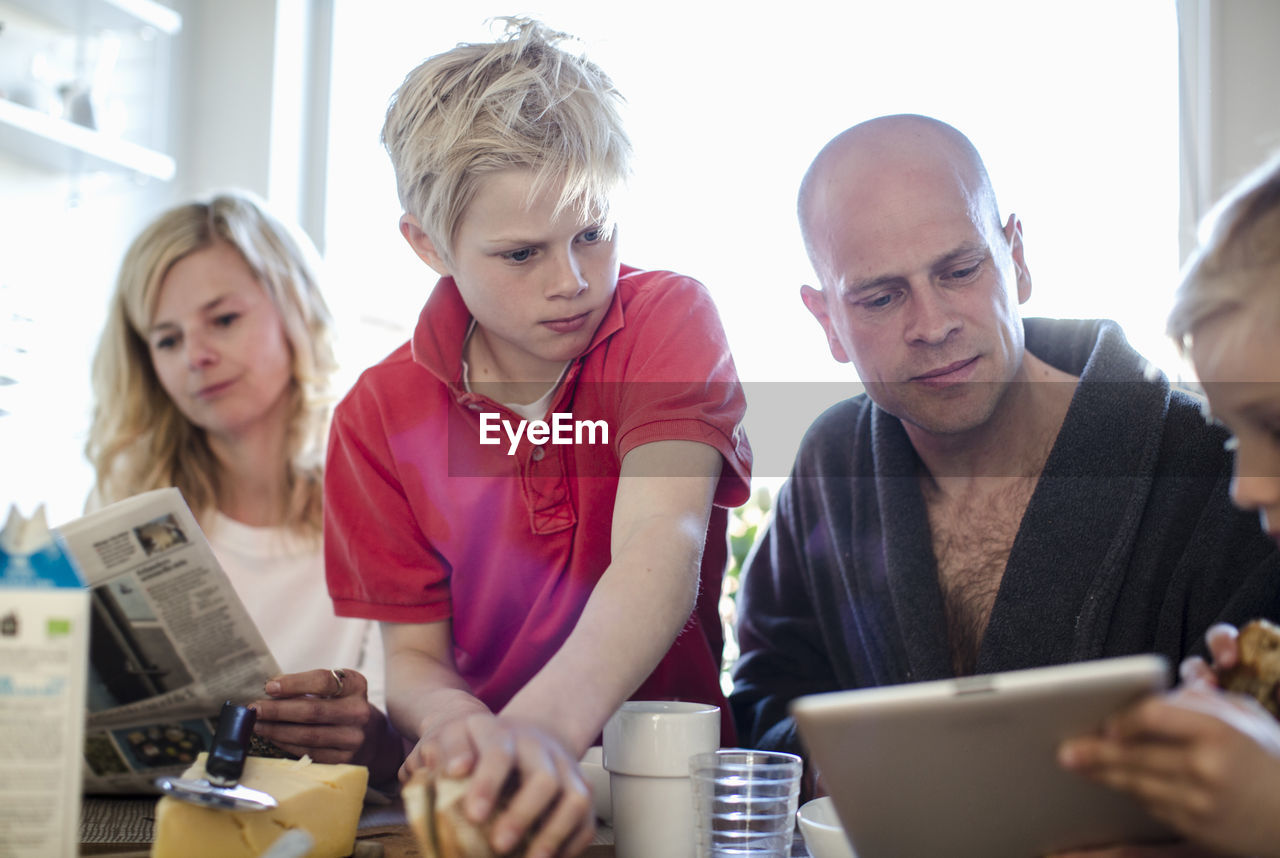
(422, 244)
(816, 301)
(1013, 233)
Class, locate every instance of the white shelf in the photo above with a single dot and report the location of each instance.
(105, 14)
(67, 147)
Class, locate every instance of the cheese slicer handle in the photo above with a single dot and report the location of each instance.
(230, 744)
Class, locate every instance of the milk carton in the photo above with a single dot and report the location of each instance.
(44, 621)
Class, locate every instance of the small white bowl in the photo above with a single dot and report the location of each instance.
(597, 778)
(823, 835)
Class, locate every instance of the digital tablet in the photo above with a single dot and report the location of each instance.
(967, 768)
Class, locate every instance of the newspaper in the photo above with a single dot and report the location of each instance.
(169, 640)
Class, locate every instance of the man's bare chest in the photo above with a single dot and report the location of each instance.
(972, 540)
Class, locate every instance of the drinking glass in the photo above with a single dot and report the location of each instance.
(745, 802)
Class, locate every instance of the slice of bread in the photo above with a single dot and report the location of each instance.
(1257, 673)
(434, 809)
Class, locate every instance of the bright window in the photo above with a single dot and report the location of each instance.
(1074, 107)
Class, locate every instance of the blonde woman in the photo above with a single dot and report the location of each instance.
(1206, 762)
(212, 375)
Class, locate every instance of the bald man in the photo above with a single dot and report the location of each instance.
(1007, 493)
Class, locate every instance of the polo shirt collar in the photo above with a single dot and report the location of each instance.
(442, 329)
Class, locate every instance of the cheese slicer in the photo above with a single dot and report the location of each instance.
(221, 787)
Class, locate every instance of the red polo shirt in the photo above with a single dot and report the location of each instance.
(423, 522)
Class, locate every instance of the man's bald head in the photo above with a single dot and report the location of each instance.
(880, 155)
(918, 277)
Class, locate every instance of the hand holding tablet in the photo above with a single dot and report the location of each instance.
(968, 767)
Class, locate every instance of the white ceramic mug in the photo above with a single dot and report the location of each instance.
(593, 771)
(647, 746)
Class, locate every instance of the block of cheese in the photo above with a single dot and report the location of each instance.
(323, 799)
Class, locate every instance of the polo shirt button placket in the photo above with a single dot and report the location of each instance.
(538, 453)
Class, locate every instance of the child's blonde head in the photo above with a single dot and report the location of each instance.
(1237, 266)
(520, 102)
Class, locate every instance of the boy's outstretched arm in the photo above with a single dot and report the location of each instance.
(642, 601)
(640, 604)
(425, 692)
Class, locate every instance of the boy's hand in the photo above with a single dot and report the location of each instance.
(551, 805)
(1223, 650)
(448, 748)
(1205, 762)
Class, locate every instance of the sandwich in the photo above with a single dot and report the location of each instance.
(1257, 672)
(433, 806)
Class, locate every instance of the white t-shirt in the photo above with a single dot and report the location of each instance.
(535, 410)
(279, 575)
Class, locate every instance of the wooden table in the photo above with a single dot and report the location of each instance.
(394, 842)
(122, 827)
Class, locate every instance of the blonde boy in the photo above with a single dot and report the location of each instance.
(529, 580)
(1205, 762)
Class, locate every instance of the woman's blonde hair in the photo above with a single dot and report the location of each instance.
(1237, 265)
(521, 102)
(138, 439)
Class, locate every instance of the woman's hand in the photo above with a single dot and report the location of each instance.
(551, 805)
(1205, 762)
(326, 714)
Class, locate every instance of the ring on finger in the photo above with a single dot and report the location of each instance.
(338, 675)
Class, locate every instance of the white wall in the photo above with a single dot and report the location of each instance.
(1231, 68)
(255, 86)
(228, 66)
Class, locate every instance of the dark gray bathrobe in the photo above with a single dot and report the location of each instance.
(1129, 545)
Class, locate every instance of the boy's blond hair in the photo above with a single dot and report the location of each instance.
(1237, 266)
(138, 439)
(520, 102)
